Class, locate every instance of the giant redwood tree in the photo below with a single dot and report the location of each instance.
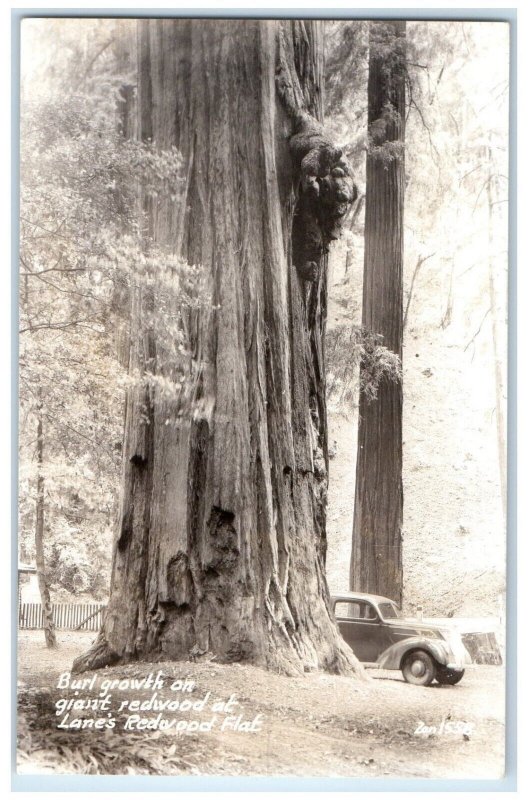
(376, 562)
(220, 546)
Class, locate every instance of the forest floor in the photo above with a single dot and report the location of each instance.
(314, 725)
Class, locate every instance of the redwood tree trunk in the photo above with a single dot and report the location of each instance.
(47, 611)
(376, 563)
(222, 535)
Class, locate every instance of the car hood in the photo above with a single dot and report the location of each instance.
(423, 628)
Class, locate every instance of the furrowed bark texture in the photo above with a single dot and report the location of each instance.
(222, 537)
(376, 563)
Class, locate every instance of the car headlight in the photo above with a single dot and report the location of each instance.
(430, 634)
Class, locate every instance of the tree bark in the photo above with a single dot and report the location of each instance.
(221, 545)
(47, 611)
(376, 562)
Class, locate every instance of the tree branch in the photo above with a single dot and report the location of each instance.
(419, 263)
(472, 340)
(92, 61)
(56, 326)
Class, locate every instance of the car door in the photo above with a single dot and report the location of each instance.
(361, 628)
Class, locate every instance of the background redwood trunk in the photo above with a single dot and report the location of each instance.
(222, 535)
(376, 563)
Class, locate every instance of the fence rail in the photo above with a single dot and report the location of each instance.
(66, 616)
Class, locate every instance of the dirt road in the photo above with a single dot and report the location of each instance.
(315, 725)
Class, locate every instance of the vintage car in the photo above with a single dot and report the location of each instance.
(382, 638)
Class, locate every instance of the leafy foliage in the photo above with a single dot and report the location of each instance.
(84, 258)
(357, 360)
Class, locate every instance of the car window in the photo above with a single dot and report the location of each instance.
(357, 609)
(389, 610)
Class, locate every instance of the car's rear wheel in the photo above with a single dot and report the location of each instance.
(449, 676)
(419, 668)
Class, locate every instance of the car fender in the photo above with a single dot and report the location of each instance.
(392, 657)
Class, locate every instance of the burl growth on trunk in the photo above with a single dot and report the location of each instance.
(326, 191)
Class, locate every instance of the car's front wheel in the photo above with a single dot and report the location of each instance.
(419, 668)
(449, 676)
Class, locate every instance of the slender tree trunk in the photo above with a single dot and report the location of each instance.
(126, 113)
(376, 563)
(221, 544)
(419, 264)
(499, 384)
(357, 211)
(47, 612)
(448, 313)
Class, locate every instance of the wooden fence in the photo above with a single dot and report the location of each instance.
(68, 616)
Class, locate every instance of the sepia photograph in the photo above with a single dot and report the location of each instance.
(263, 388)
